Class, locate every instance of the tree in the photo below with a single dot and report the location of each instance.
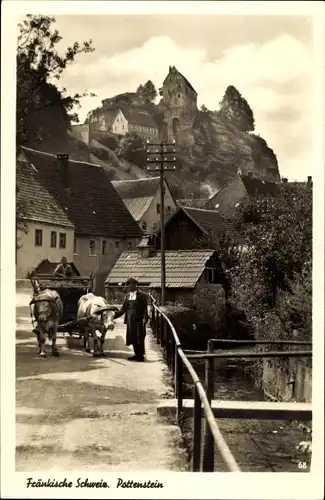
(236, 110)
(147, 93)
(272, 278)
(44, 112)
(132, 148)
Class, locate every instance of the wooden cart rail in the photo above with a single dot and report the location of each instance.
(176, 358)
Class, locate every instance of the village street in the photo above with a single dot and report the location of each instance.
(77, 412)
(80, 413)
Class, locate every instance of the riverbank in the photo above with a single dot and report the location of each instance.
(258, 446)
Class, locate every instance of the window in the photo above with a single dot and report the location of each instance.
(63, 240)
(168, 208)
(144, 225)
(178, 95)
(104, 247)
(75, 246)
(158, 208)
(38, 237)
(117, 244)
(92, 247)
(130, 245)
(53, 239)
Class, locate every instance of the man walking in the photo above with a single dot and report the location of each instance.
(136, 316)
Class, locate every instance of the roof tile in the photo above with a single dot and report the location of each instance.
(41, 205)
(90, 201)
(147, 270)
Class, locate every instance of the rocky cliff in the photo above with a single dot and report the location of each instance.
(209, 149)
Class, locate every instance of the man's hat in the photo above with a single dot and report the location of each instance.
(130, 281)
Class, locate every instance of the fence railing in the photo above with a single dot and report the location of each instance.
(177, 358)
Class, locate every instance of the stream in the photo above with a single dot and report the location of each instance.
(257, 445)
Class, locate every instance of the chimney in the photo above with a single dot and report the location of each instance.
(63, 164)
(309, 180)
(284, 180)
(145, 247)
(239, 171)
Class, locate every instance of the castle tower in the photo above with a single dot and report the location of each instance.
(180, 101)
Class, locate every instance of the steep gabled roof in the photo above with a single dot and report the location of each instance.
(183, 268)
(137, 194)
(172, 69)
(89, 199)
(259, 187)
(138, 206)
(137, 188)
(210, 222)
(138, 117)
(40, 204)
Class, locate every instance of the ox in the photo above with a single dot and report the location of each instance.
(48, 311)
(95, 318)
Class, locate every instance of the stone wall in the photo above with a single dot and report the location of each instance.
(286, 379)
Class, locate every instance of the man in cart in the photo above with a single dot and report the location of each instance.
(63, 269)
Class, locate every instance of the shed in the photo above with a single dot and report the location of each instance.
(185, 269)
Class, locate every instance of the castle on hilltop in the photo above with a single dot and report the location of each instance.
(179, 100)
(124, 113)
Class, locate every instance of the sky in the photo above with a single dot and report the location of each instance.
(267, 58)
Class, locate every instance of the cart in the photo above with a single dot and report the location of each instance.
(70, 291)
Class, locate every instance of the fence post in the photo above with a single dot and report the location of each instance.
(178, 384)
(162, 331)
(158, 323)
(172, 353)
(197, 420)
(153, 321)
(208, 458)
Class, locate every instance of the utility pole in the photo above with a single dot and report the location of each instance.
(160, 155)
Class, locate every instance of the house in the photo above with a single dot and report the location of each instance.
(190, 228)
(137, 121)
(76, 213)
(50, 232)
(142, 198)
(239, 189)
(185, 271)
(122, 120)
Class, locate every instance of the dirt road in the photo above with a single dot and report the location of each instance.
(80, 413)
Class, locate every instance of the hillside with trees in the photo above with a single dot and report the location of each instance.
(209, 149)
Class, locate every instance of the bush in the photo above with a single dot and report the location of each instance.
(295, 307)
(209, 303)
(109, 141)
(272, 281)
(132, 148)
